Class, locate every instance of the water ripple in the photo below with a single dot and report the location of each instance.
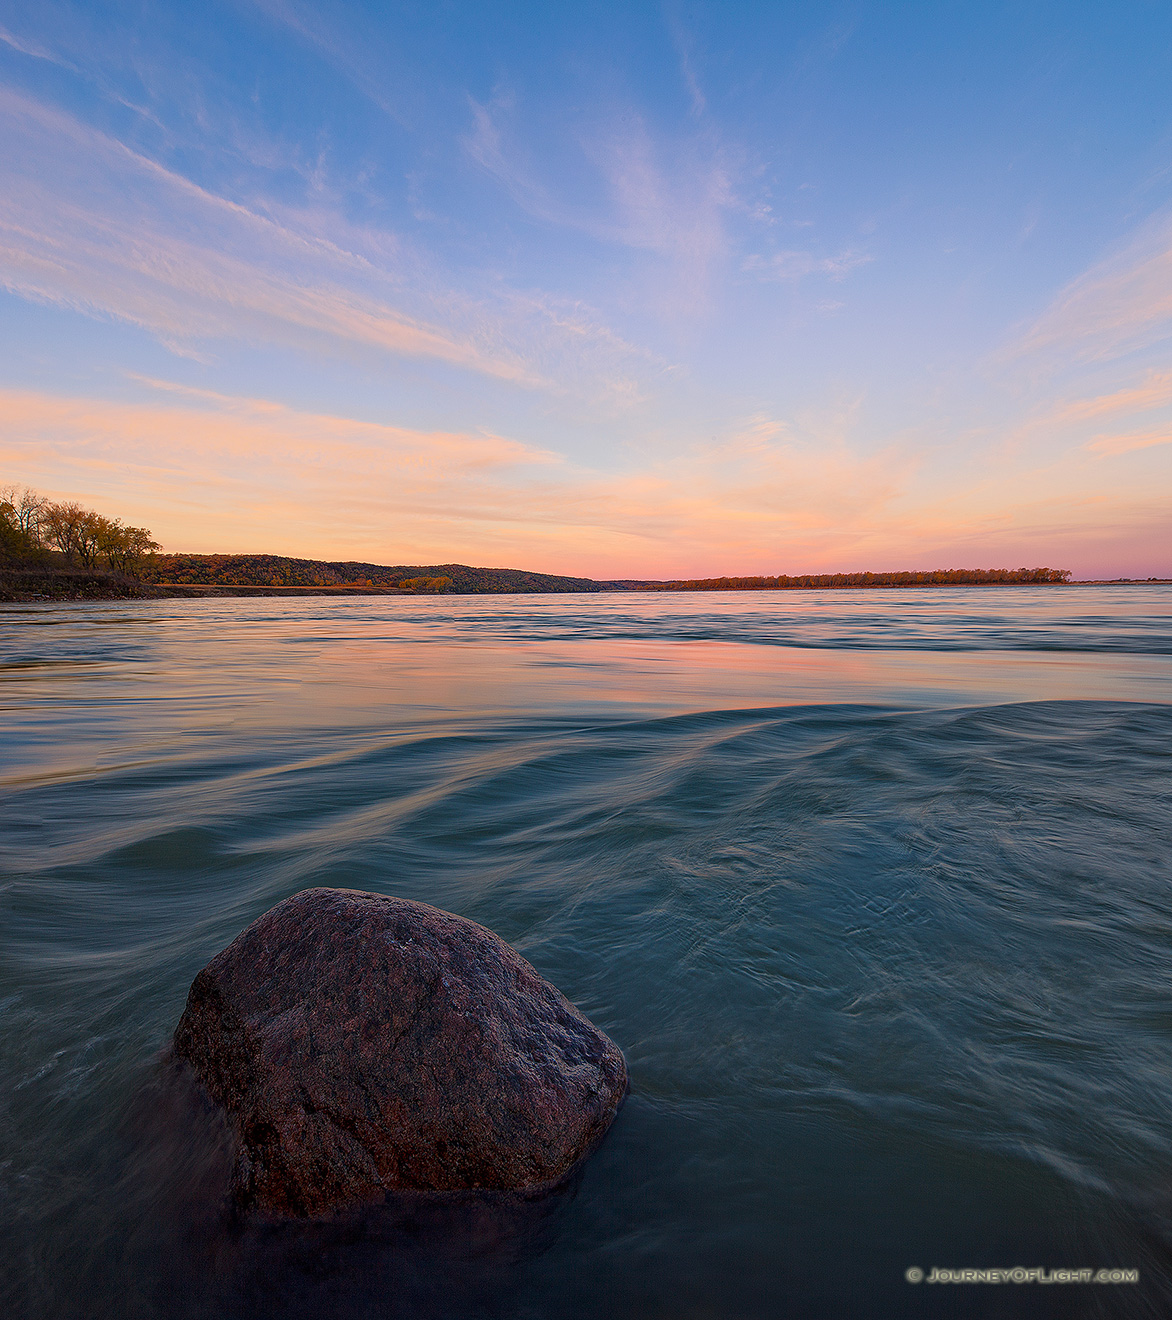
(892, 977)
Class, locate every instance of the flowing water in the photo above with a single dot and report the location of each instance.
(874, 890)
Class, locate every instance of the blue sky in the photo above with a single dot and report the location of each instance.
(634, 290)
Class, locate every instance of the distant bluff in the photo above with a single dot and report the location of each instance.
(278, 571)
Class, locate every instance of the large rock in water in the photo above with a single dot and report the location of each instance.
(364, 1045)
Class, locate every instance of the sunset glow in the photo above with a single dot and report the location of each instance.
(619, 292)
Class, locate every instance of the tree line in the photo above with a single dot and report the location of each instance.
(937, 577)
(34, 529)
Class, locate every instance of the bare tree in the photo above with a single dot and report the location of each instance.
(27, 508)
(21, 511)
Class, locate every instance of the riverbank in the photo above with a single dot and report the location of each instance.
(49, 584)
(32, 584)
(28, 585)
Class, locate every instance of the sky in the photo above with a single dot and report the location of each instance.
(620, 290)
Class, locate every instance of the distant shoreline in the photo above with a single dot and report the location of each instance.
(33, 585)
(55, 551)
(210, 589)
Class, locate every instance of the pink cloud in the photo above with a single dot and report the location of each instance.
(1109, 445)
(1155, 392)
(210, 472)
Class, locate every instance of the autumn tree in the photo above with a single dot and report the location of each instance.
(31, 524)
(92, 530)
(424, 584)
(62, 527)
(125, 547)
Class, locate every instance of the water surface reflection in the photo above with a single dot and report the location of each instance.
(873, 892)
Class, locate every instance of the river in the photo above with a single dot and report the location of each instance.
(873, 889)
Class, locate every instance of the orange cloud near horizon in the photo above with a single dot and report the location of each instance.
(213, 473)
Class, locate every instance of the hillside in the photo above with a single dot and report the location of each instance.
(278, 571)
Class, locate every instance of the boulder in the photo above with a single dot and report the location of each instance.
(364, 1045)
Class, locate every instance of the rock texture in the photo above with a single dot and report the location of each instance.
(363, 1045)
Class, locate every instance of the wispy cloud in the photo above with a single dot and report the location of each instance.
(1121, 305)
(32, 49)
(645, 194)
(113, 232)
(672, 213)
(1110, 445)
(1064, 423)
(786, 266)
(685, 52)
(1154, 392)
(110, 232)
(677, 212)
(377, 70)
(486, 146)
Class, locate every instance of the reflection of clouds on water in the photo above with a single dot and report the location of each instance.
(872, 923)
